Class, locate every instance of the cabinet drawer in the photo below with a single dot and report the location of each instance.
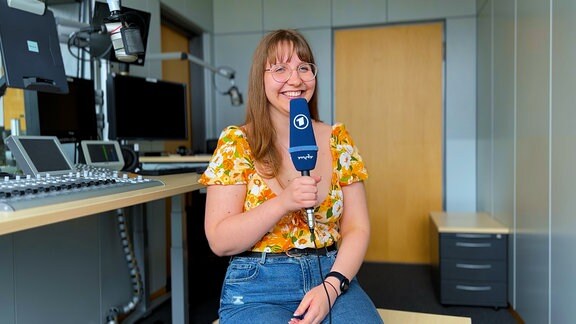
(473, 246)
(473, 270)
(474, 293)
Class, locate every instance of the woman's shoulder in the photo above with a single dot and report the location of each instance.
(233, 139)
(340, 132)
(233, 130)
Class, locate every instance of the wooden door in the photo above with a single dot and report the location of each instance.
(388, 92)
(177, 71)
(14, 108)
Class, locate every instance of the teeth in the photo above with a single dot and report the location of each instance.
(293, 93)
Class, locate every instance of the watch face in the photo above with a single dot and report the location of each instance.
(344, 284)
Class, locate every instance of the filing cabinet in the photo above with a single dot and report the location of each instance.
(470, 259)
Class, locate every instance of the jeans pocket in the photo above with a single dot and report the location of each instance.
(240, 271)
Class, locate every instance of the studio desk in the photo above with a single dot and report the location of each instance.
(175, 186)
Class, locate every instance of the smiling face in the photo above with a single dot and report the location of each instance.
(279, 94)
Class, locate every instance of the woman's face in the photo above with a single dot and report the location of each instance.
(279, 94)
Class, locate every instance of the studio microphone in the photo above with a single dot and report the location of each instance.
(303, 149)
(126, 40)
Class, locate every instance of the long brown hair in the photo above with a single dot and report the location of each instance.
(260, 135)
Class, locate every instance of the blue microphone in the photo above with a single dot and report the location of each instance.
(303, 149)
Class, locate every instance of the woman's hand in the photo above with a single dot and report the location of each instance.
(302, 192)
(314, 306)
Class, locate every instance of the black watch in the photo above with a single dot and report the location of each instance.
(344, 282)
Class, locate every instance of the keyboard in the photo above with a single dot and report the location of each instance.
(21, 192)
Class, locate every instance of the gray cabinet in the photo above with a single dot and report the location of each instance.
(470, 262)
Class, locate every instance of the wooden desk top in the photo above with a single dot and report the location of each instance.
(176, 184)
(175, 158)
(451, 222)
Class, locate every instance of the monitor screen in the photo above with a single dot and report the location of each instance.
(145, 109)
(39, 155)
(106, 154)
(30, 56)
(71, 117)
(101, 44)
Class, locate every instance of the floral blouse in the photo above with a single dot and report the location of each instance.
(232, 164)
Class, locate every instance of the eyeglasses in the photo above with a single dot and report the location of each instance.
(282, 72)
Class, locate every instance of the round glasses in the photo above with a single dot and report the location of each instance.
(282, 72)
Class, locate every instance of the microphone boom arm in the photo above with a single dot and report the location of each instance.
(229, 73)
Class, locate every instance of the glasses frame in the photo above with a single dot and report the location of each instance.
(315, 68)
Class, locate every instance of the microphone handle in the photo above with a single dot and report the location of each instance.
(309, 210)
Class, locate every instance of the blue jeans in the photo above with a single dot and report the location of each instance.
(268, 290)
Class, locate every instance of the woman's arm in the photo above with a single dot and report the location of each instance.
(355, 231)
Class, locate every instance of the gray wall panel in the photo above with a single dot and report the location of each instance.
(235, 51)
(357, 13)
(296, 14)
(504, 134)
(460, 115)
(484, 117)
(237, 16)
(401, 10)
(533, 131)
(57, 273)
(199, 12)
(504, 116)
(563, 240)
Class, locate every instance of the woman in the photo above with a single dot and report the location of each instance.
(256, 201)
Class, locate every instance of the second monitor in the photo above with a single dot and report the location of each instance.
(146, 109)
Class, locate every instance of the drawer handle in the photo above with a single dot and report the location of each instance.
(473, 288)
(473, 266)
(462, 235)
(473, 245)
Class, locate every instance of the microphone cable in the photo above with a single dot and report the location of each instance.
(137, 286)
(313, 238)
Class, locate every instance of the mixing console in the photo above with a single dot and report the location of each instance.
(20, 192)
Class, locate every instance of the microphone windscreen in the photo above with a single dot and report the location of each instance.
(303, 149)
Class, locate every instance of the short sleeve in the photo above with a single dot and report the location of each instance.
(231, 160)
(349, 164)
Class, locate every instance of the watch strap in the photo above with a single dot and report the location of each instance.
(344, 282)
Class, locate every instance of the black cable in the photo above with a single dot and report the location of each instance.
(113, 312)
(313, 238)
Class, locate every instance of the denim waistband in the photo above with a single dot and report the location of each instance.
(291, 253)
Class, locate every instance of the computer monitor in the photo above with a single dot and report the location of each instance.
(145, 109)
(30, 56)
(105, 154)
(71, 117)
(39, 155)
(101, 44)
